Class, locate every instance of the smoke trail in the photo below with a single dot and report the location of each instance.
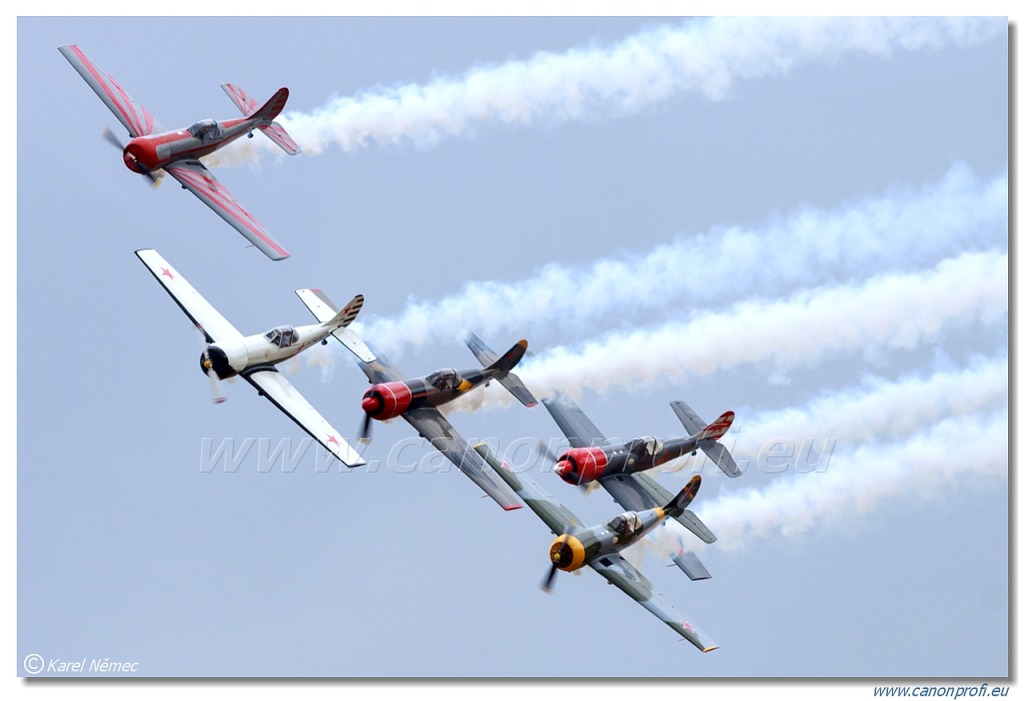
(891, 311)
(860, 418)
(900, 230)
(860, 481)
(875, 410)
(705, 57)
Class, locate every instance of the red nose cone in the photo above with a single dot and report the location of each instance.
(370, 403)
(563, 470)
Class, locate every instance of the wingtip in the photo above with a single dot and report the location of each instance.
(511, 507)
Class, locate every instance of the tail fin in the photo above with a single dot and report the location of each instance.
(678, 504)
(707, 436)
(502, 367)
(347, 315)
(250, 108)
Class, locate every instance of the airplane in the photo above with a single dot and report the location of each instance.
(417, 400)
(228, 353)
(153, 150)
(593, 460)
(599, 546)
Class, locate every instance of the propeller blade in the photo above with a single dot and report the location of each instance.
(589, 487)
(549, 581)
(364, 432)
(116, 143)
(109, 136)
(219, 397)
(216, 388)
(545, 450)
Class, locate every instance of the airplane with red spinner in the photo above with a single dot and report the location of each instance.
(153, 150)
(594, 460)
(417, 400)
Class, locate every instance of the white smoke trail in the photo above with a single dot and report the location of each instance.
(933, 409)
(875, 410)
(704, 56)
(860, 481)
(890, 311)
(897, 231)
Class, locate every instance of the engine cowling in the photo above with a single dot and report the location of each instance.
(581, 465)
(140, 155)
(226, 359)
(387, 400)
(567, 553)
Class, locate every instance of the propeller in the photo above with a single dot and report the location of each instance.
(549, 581)
(216, 388)
(546, 451)
(364, 431)
(114, 141)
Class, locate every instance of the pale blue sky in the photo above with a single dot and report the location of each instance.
(127, 549)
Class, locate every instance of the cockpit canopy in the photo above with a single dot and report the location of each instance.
(625, 524)
(648, 445)
(282, 336)
(444, 380)
(206, 130)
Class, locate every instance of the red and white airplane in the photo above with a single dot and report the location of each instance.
(153, 151)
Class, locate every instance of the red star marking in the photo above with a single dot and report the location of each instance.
(332, 439)
(167, 272)
(687, 626)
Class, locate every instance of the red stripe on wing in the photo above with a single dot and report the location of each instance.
(125, 105)
(226, 201)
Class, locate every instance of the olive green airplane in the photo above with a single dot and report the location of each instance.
(599, 546)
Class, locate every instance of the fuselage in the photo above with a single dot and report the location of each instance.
(582, 465)
(230, 358)
(146, 154)
(386, 400)
(570, 552)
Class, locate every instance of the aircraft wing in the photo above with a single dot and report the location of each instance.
(198, 179)
(273, 385)
(207, 319)
(617, 570)
(135, 118)
(578, 429)
(557, 517)
(443, 437)
(638, 492)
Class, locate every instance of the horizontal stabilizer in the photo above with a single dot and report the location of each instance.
(693, 524)
(250, 108)
(690, 564)
(502, 367)
(696, 426)
(325, 310)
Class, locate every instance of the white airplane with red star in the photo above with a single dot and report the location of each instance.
(228, 354)
(153, 150)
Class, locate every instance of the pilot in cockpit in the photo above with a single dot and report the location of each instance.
(444, 380)
(282, 336)
(206, 130)
(625, 524)
(644, 447)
